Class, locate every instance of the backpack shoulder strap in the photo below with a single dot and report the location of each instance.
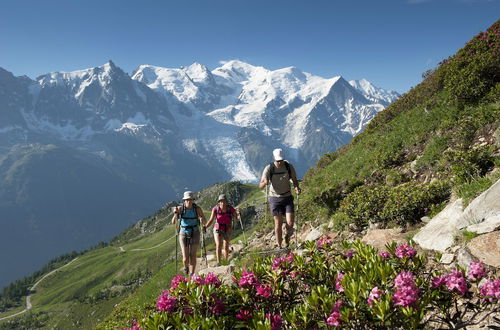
(287, 165)
(271, 170)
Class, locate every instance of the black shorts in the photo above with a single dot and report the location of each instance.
(281, 205)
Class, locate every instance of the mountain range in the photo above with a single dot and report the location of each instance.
(85, 153)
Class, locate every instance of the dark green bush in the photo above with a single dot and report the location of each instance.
(404, 204)
(468, 165)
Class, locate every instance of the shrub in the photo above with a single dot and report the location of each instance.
(352, 287)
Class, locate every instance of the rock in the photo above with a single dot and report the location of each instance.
(236, 247)
(464, 258)
(378, 238)
(314, 234)
(484, 208)
(486, 248)
(447, 258)
(439, 234)
(225, 273)
(425, 219)
(487, 226)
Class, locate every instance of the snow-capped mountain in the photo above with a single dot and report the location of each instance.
(285, 107)
(84, 153)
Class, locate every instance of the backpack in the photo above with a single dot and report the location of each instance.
(272, 168)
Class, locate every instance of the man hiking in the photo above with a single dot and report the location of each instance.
(223, 214)
(278, 174)
(189, 232)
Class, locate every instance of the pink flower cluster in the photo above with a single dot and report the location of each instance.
(277, 262)
(385, 254)
(476, 271)
(333, 319)
(177, 280)
(405, 250)
(248, 279)
(491, 290)
(264, 291)
(456, 281)
(135, 326)
(219, 307)
(211, 278)
(166, 302)
(276, 321)
(406, 290)
(323, 241)
(338, 282)
(349, 254)
(244, 315)
(453, 281)
(374, 295)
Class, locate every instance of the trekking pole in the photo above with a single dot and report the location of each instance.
(177, 242)
(297, 223)
(203, 247)
(242, 230)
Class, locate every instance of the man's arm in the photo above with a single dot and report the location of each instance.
(264, 180)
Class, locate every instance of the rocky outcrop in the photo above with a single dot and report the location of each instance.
(378, 238)
(487, 248)
(439, 234)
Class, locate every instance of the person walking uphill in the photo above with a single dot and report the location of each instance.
(189, 232)
(223, 213)
(278, 174)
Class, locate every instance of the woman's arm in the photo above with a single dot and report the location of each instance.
(212, 218)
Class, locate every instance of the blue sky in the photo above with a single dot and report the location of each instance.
(390, 43)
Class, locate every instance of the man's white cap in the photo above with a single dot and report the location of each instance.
(278, 154)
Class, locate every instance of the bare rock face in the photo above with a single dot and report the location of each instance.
(378, 238)
(314, 234)
(439, 234)
(486, 248)
(482, 215)
(225, 273)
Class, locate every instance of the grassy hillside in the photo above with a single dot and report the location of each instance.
(131, 271)
(439, 138)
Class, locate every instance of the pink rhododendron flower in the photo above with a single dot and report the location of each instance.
(333, 319)
(177, 280)
(134, 327)
(404, 279)
(323, 241)
(456, 281)
(219, 307)
(438, 281)
(277, 263)
(385, 254)
(491, 290)
(405, 250)
(349, 254)
(187, 311)
(276, 321)
(244, 315)
(264, 291)
(338, 282)
(406, 290)
(289, 257)
(374, 295)
(211, 278)
(165, 302)
(248, 278)
(197, 279)
(476, 271)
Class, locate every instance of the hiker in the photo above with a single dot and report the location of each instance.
(222, 214)
(190, 216)
(278, 174)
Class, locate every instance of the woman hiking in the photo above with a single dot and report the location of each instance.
(189, 232)
(223, 213)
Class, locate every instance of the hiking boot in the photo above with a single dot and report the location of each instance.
(186, 270)
(287, 240)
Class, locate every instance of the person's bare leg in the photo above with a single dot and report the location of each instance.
(278, 231)
(289, 226)
(227, 239)
(184, 251)
(218, 246)
(192, 262)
